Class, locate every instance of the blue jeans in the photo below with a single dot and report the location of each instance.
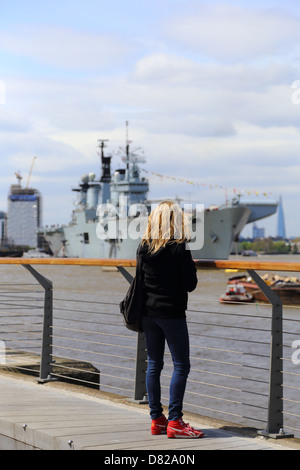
(175, 332)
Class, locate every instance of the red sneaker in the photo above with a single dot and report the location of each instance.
(180, 429)
(159, 425)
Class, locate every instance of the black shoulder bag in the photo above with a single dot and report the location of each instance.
(132, 305)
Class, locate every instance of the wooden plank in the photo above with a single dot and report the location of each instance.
(69, 261)
(200, 264)
(244, 265)
(54, 417)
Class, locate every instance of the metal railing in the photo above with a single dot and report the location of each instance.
(244, 357)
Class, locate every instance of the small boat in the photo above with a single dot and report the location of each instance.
(287, 291)
(287, 288)
(236, 293)
(249, 253)
(11, 253)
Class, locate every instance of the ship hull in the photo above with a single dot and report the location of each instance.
(221, 228)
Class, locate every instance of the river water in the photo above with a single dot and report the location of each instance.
(230, 345)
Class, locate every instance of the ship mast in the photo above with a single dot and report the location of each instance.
(127, 151)
(105, 163)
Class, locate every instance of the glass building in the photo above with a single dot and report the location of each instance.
(23, 216)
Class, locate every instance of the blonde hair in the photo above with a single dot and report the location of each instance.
(166, 223)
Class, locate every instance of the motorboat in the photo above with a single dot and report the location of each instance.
(236, 293)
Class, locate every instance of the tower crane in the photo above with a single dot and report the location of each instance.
(30, 172)
(19, 177)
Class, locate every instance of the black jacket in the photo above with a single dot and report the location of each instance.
(168, 275)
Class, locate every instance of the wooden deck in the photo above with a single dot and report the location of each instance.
(34, 416)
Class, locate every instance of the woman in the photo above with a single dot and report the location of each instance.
(169, 273)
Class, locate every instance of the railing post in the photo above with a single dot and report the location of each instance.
(46, 352)
(274, 427)
(140, 391)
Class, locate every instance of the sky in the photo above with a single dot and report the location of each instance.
(211, 91)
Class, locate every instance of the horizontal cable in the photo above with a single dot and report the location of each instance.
(231, 327)
(94, 362)
(223, 314)
(116, 377)
(83, 312)
(291, 429)
(203, 359)
(97, 302)
(85, 351)
(291, 373)
(292, 414)
(22, 341)
(215, 349)
(107, 293)
(291, 401)
(73, 310)
(89, 332)
(23, 315)
(92, 342)
(290, 386)
(209, 384)
(116, 387)
(227, 351)
(208, 396)
(32, 371)
(210, 409)
(212, 397)
(241, 340)
(73, 378)
(18, 324)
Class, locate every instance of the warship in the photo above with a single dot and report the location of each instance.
(87, 234)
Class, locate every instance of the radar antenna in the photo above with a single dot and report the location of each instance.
(131, 155)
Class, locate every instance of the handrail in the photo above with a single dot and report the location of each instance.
(275, 398)
(69, 261)
(200, 263)
(246, 265)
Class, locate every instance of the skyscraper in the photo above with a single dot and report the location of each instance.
(258, 232)
(23, 216)
(280, 223)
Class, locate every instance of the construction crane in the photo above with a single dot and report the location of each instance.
(30, 172)
(19, 177)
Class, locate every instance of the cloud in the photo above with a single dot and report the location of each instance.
(18, 148)
(233, 33)
(65, 48)
(175, 69)
(207, 94)
(158, 67)
(218, 91)
(12, 122)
